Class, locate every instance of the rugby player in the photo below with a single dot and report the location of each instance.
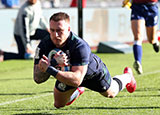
(86, 69)
(144, 14)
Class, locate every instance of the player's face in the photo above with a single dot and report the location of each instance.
(59, 32)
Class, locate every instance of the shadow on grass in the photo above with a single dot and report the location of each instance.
(33, 114)
(39, 114)
(15, 79)
(147, 89)
(139, 96)
(116, 108)
(1, 94)
(138, 93)
(74, 108)
(28, 110)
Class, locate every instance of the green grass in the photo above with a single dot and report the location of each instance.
(25, 97)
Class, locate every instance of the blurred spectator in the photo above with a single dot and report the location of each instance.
(10, 3)
(50, 3)
(29, 25)
(55, 3)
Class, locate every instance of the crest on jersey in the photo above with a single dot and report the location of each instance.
(52, 53)
(62, 86)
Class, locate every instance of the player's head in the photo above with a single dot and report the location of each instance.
(59, 28)
(32, 1)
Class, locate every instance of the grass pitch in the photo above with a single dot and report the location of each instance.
(19, 95)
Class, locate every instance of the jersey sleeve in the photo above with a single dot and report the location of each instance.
(80, 55)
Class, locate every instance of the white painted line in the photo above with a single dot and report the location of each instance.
(148, 73)
(24, 99)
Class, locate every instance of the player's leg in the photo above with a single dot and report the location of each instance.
(119, 82)
(61, 98)
(152, 37)
(75, 95)
(152, 26)
(138, 27)
(65, 95)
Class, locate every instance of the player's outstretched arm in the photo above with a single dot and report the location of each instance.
(74, 77)
(39, 76)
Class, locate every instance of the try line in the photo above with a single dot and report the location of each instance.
(24, 99)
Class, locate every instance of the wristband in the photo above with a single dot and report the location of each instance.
(52, 71)
(53, 62)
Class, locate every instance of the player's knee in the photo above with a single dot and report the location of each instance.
(58, 106)
(113, 90)
(109, 94)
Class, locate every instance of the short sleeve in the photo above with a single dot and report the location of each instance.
(80, 55)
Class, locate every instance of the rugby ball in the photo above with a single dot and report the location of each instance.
(51, 55)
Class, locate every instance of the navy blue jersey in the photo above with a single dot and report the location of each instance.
(79, 53)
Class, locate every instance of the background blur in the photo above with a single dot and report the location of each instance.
(90, 3)
(103, 20)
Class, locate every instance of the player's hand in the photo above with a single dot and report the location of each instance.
(44, 63)
(61, 58)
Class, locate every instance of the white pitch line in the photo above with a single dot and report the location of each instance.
(148, 73)
(24, 99)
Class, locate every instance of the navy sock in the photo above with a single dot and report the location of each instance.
(137, 50)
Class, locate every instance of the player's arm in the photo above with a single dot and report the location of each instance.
(73, 78)
(40, 76)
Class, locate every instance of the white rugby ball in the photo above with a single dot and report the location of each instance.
(51, 55)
